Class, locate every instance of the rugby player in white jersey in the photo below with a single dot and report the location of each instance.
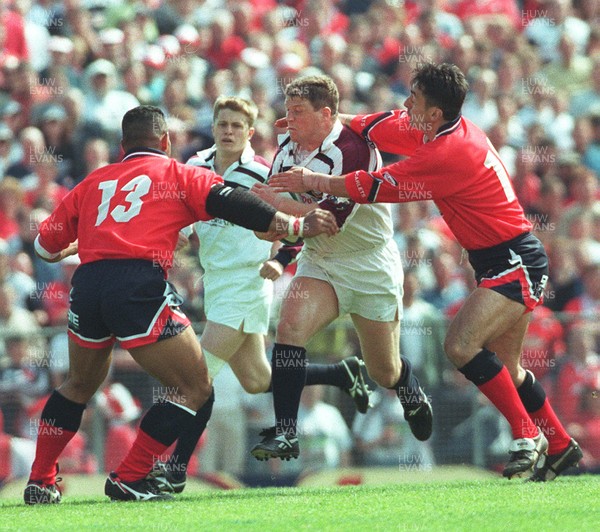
(356, 272)
(237, 300)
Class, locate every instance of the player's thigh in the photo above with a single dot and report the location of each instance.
(483, 317)
(87, 370)
(509, 346)
(250, 364)
(178, 364)
(380, 347)
(221, 340)
(308, 305)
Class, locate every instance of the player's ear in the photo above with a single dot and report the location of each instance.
(437, 114)
(326, 112)
(251, 133)
(165, 143)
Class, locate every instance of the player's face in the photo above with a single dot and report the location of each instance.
(305, 124)
(231, 131)
(418, 110)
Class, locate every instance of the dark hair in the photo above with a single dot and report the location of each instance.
(443, 86)
(320, 91)
(143, 126)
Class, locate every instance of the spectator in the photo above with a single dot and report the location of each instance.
(14, 321)
(11, 202)
(326, 440)
(380, 438)
(479, 106)
(588, 303)
(587, 100)
(41, 187)
(557, 19)
(224, 446)
(120, 410)
(9, 150)
(34, 148)
(571, 71)
(591, 157)
(58, 139)
(104, 105)
(23, 379)
(16, 455)
(580, 370)
(422, 332)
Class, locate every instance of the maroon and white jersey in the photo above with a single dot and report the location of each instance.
(458, 169)
(342, 151)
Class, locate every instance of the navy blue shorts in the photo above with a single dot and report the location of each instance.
(126, 300)
(517, 269)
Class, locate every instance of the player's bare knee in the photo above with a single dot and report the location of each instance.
(290, 331)
(457, 352)
(255, 385)
(194, 396)
(78, 389)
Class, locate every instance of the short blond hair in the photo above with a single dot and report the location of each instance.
(240, 105)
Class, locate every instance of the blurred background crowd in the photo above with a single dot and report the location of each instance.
(68, 72)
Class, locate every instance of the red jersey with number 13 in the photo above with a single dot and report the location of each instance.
(133, 209)
(458, 169)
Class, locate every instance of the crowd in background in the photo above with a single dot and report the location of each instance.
(68, 72)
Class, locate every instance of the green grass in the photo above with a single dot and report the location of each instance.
(569, 503)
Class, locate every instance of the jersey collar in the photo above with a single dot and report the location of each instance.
(448, 127)
(143, 152)
(210, 154)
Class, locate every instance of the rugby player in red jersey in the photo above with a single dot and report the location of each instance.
(124, 221)
(452, 162)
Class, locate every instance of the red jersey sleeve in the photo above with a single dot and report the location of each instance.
(197, 182)
(390, 131)
(415, 179)
(60, 228)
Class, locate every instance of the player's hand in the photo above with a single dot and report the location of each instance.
(293, 180)
(340, 208)
(71, 249)
(271, 269)
(281, 123)
(270, 236)
(318, 222)
(267, 194)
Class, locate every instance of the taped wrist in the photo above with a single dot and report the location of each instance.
(240, 207)
(296, 227)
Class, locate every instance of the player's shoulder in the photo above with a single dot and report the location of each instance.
(351, 139)
(202, 158)
(262, 162)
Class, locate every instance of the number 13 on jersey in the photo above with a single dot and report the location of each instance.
(139, 186)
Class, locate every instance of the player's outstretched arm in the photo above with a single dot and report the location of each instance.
(281, 202)
(301, 180)
(240, 207)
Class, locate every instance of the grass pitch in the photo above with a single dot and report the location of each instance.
(569, 503)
